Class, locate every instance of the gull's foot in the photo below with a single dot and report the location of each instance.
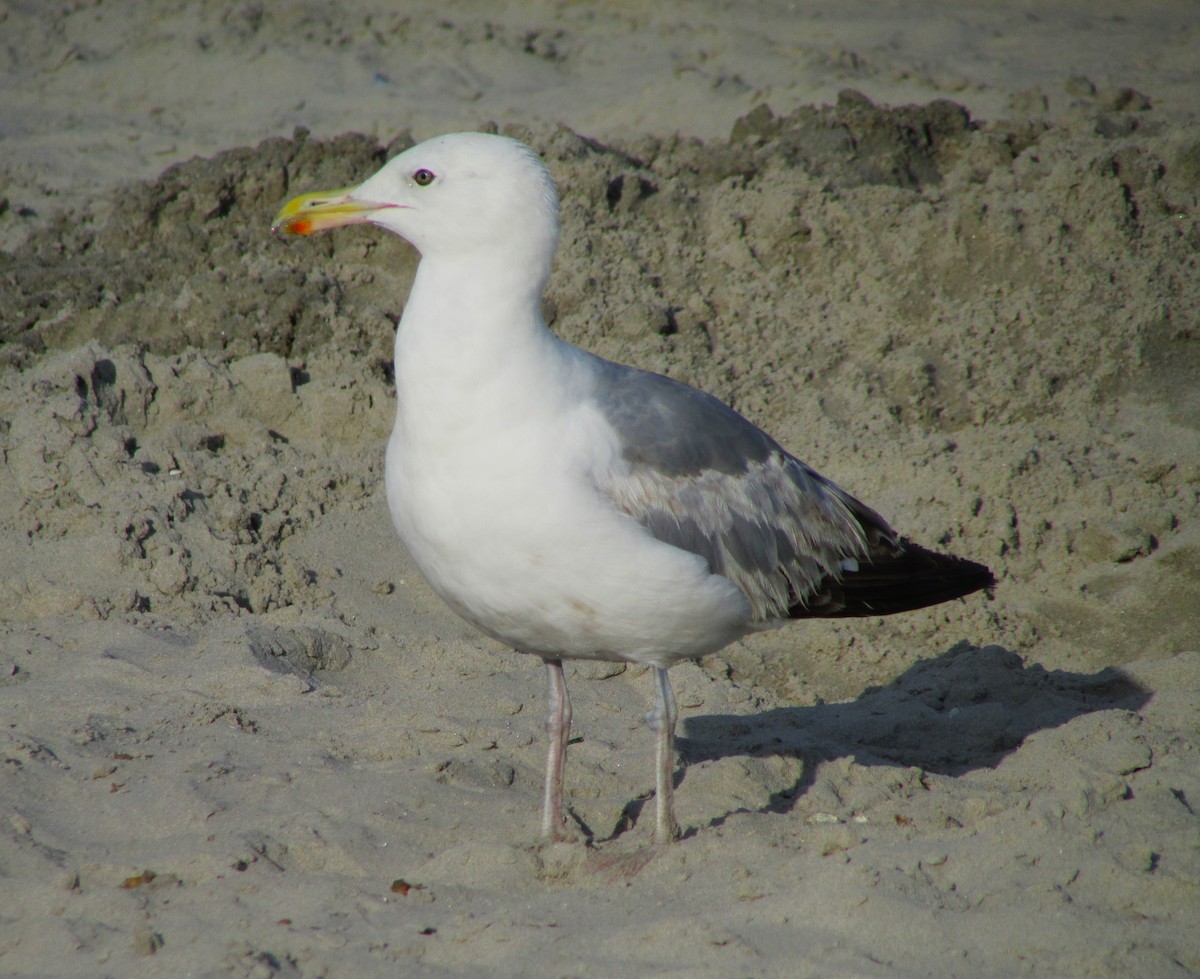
(560, 834)
(666, 830)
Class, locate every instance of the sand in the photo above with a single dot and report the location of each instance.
(945, 253)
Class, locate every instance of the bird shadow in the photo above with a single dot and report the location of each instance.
(964, 710)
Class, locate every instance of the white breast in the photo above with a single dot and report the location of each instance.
(492, 488)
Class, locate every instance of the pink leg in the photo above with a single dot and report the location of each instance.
(662, 721)
(558, 729)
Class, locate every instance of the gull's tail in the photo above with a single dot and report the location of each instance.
(898, 576)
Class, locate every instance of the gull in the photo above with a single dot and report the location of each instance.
(575, 508)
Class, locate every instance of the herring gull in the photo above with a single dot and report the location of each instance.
(574, 508)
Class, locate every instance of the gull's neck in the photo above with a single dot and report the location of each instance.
(472, 330)
(472, 305)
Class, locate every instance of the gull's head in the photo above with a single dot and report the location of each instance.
(449, 196)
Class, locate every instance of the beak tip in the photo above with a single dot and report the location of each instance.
(309, 213)
(284, 226)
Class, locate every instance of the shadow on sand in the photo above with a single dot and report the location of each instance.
(961, 711)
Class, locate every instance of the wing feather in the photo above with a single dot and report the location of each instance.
(699, 476)
(778, 530)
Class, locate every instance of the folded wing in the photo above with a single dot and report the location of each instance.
(699, 476)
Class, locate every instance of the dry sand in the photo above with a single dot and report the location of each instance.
(953, 266)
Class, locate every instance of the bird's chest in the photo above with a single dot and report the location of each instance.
(485, 522)
(477, 480)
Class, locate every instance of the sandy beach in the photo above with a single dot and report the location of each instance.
(947, 254)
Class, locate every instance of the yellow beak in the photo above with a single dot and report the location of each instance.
(309, 213)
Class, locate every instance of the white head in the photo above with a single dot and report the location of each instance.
(453, 197)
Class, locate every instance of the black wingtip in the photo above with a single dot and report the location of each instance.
(898, 577)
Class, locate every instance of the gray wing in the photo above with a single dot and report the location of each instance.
(699, 476)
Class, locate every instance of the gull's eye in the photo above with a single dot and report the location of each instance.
(423, 177)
